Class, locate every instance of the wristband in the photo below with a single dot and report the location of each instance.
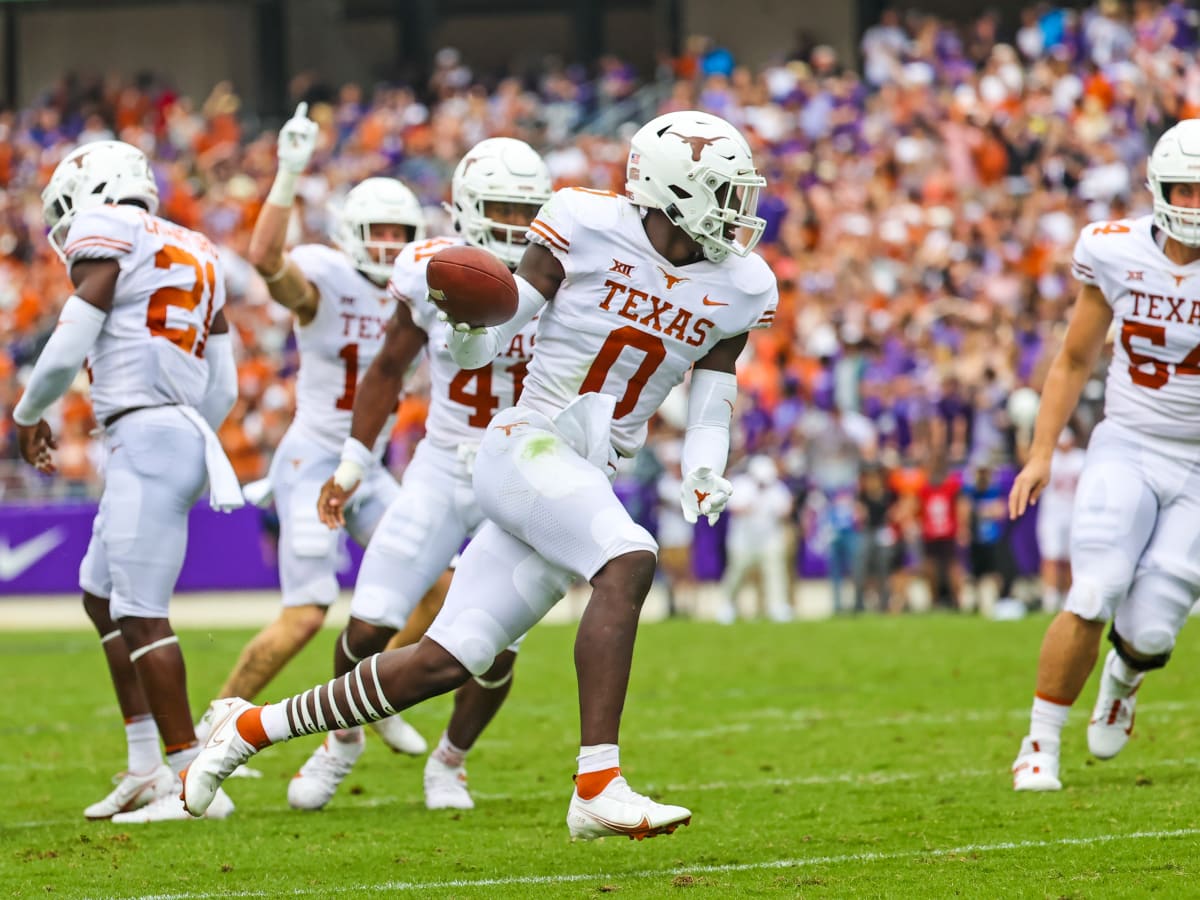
(356, 457)
(283, 189)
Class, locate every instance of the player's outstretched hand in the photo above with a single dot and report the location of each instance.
(331, 505)
(36, 442)
(297, 141)
(1030, 483)
(704, 493)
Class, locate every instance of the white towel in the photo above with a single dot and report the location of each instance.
(259, 493)
(586, 426)
(224, 493)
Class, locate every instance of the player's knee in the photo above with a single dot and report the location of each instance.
(630, 573)
(1095, 599)
(1147, 649)
(303, 622)
(97, 611)
(362, 639)
(437, 668)
(500, 674)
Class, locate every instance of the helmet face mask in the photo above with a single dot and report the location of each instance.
(93, 175)
(376, 201)
(493, 186)
(698, 169)
(1176, 160)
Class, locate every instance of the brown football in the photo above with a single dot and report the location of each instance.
(472, 286)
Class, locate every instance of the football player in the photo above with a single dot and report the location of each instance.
(1132, 550)
(147, 316)
(495, 191)
(633, 292)
(341, 305)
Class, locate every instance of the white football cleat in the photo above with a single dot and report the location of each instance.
(400, 736)
(132, 792)
(204, 728)
(1112, 717)
(223, 752)
(618, 809)
(318, 779)
(446, 786)
(1036, 766)
(169, 808)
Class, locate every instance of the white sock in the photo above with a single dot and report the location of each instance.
(346, 740)
(1127, 679)
(181, 759)
(448, 754)
(275, 722)
(1047, 720)
(598, 757)
(141, 737)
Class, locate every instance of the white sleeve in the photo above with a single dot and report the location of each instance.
(79, 325)
(474, 350)
(222, 390)
(710, 409)
(105, 232)
(1083, 259)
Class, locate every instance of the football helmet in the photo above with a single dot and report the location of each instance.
(498, 170)
(93, 175)
(375, 201)
(1176, 158)
(698, 169)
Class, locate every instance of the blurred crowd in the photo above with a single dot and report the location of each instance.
(922, 206)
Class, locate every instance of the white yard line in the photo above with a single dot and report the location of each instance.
(608, 877)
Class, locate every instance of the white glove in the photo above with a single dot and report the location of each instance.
(704, 493)
(436, 297)
(297, 141)
(466, 455)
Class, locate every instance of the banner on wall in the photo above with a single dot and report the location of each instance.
(41, 547)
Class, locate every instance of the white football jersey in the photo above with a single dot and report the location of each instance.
(461, 401)
(1154, 381)
(150, 351)
(625, 322)
(338, 345)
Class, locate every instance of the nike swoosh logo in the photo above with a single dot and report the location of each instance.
(708, 302)
(16, 560)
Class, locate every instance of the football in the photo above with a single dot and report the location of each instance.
(472, 286)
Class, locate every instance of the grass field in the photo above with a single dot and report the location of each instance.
(831, 759)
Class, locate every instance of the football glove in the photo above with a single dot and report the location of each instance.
(436, 297)
(704, 493)
(297, 141)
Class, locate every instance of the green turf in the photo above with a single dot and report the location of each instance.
(843, 758)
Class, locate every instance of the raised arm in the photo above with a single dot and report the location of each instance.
(285, 281)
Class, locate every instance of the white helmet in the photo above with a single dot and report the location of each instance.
(697, 168)
(376, 201)
(93, 175)
(498, 170)
(1176, 158)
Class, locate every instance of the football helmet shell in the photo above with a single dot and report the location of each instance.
(698, 169)
(91, 175)
(1176, 158)
(375, 201)
(497, 170)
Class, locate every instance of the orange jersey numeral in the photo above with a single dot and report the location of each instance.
(186, 339)
(655, 352)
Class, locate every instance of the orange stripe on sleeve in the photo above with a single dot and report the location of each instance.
(562, 240)
(545, 237)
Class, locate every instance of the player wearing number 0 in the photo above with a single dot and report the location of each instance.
(633, 292)
(147, 315)
(342, 306)
(1132, 544)
(495, 191)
